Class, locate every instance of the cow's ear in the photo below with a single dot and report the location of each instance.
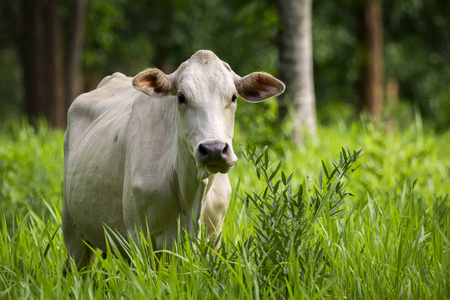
(154, 83)
(258, 86)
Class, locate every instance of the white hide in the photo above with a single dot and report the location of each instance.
(131, 160)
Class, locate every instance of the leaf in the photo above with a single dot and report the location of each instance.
(48, 245)
(276, 171)
(275, 187)
(266, 157)
(325, 200)
(324, 168)
(241, 147)
(290, 178)
(320, 180)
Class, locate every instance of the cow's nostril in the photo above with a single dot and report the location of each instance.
(225, 150)
(202, 150)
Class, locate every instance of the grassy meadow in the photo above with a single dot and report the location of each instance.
(330, 221)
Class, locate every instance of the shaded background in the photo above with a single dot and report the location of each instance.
(70, 45)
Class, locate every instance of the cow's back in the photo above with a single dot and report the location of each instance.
(94, 156)
(106, 103)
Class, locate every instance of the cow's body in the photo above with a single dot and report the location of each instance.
(140, 157)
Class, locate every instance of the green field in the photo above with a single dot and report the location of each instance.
(381, 233)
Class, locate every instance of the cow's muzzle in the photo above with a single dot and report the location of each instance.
(215, 155)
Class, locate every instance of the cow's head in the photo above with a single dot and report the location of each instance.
(206, 90)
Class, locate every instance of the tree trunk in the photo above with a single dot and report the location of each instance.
(42, 61)
(296, 65)
(55, 57)
(370, 84)
(74, 75)
(32, 57)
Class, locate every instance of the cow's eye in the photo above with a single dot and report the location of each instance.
(181, 99)
(233, 99)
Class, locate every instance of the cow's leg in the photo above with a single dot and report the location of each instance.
(215, 205)
(76, 247)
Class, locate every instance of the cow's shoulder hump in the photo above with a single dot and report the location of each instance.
(111, 93)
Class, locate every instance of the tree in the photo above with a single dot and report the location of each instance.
(74, 75)
(296, 65)
(41, 54)
(370, 83)
(50, 82)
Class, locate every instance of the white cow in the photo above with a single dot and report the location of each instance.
(152, 151)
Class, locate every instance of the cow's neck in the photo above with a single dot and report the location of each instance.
(191, 187)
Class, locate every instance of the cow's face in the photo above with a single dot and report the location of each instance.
(206, 90)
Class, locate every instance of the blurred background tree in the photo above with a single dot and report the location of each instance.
(296, 65)
(77, 43)
(74, 53)
(369, 94)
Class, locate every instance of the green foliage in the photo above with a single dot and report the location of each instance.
(128, 38)
(284, 246)
(31, 163)
(417, 54)
(10, 98)
(289, 234)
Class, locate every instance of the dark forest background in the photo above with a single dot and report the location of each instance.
(52, 50)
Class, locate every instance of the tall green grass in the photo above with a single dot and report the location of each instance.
(293, 230)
